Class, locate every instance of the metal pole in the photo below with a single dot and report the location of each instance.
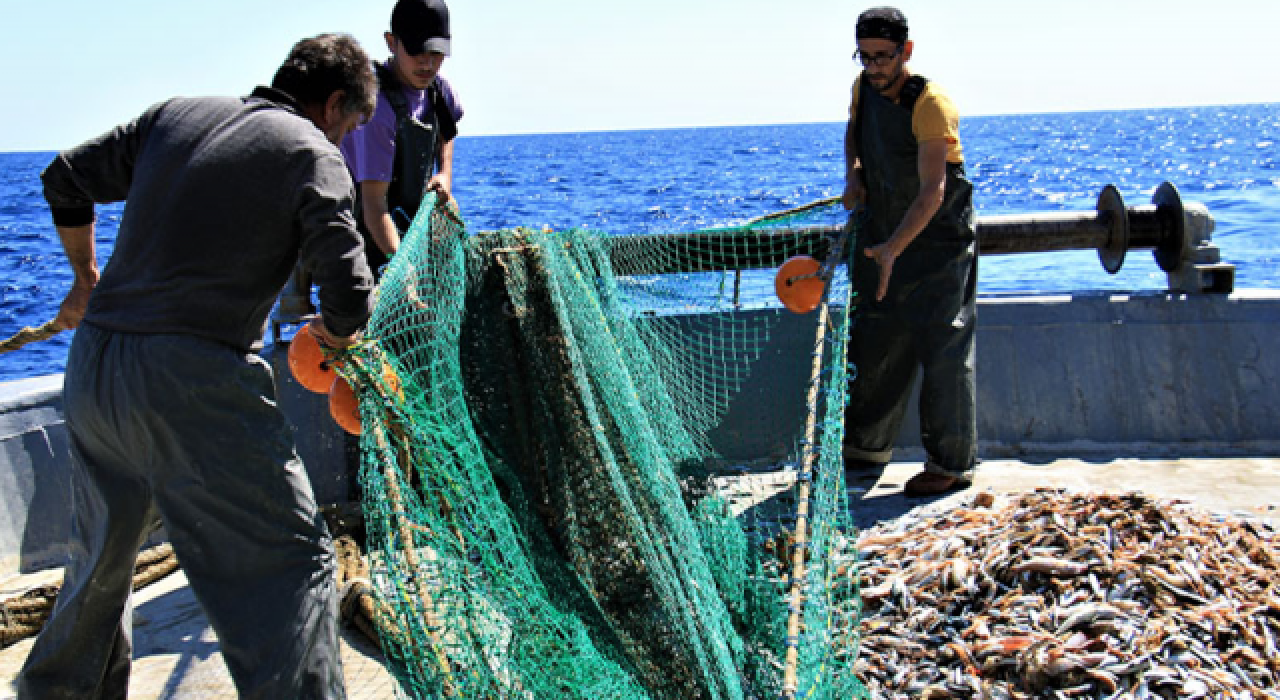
(1173, 232)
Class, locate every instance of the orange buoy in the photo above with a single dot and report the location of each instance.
(344, 406)
(307, 362)
(798, 285)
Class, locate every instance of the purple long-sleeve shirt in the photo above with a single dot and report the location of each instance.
(370, 150)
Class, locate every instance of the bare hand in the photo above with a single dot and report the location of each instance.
(329, 340)
(884, 255)
(74, 306)
(441, 185)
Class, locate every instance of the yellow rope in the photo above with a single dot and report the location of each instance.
(804, 480)
(30, 335)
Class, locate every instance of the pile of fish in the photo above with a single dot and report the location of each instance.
(1053, 594)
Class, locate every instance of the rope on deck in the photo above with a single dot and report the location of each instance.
(25, 615)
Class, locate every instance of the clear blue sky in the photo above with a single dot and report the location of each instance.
(74, 68)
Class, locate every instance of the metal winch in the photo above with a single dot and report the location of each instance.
(1178, 233)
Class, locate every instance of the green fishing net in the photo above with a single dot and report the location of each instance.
(547, 515)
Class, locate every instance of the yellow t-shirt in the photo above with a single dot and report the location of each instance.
(934, 117)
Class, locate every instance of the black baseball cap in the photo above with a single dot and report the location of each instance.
(422, 26)
(882, 23)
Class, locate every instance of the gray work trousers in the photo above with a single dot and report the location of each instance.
(188, 428)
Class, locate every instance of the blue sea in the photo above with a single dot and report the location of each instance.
(684, 179)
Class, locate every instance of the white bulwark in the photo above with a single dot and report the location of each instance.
(1151, 374)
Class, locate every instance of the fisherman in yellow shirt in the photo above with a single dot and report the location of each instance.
(915, 266)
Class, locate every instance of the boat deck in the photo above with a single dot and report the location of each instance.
(176, 652)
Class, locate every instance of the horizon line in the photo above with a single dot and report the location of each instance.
(688, 127)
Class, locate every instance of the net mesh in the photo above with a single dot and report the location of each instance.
(547, 514)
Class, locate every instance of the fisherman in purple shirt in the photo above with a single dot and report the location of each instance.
(406, 149)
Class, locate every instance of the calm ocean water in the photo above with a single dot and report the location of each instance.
(683, 179)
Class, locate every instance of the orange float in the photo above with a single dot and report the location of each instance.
(798, 285)
(307, 362)
(344, 406)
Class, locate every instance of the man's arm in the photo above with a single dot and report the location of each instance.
(77, 242)
(99, 170)
(370, 155)
(442, 181)
(932, 169)
(377, 217)
(334, 251)
(855, 192)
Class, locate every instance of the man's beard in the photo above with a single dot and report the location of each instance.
(889, 81)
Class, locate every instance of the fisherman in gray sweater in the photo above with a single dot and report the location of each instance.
(169, 409)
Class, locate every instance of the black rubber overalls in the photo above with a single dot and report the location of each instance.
(926, 319)
(418, 140)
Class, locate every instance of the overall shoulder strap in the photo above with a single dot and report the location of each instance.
(439, 109)
(912, 89)
(390, 86)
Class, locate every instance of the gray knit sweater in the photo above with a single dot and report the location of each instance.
(222, 196)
